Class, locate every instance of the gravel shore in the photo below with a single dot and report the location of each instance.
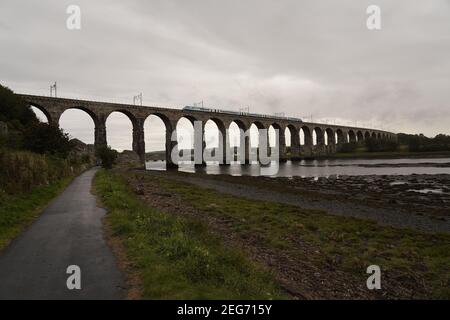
(417, 201)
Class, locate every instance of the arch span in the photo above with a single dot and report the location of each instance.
(294, 149)
(43, 113)
(80, 125)
(330, 138)
(318, 136)
(119, 131)
(340, 137)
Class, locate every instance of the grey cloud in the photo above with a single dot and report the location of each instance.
(300, 57)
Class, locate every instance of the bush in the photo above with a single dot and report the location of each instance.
(107, 156)
(381, 145)
(421, 143)
(349, 147)
(15, 111)
(47, 139)
(21, 171)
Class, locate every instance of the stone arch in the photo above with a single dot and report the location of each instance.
(219, 137)
(340, 137)
(292, 134)
(98, 119)
(258, 124)
(99, 134)
(241, 124)
(307, 136)
(366, 135)
(155, 131)
(318, 136)
(295, 141)
(239, 138)
(351, 136)
(256, 135)
(163, 118)
(185, 133)
(43, 110)
(129, 115)
(112, 134)
(360, 136)
(219, 123)
(165, 142)
(329, 138)
(189, 117)
(374, 135)
(274, 138)
(235, 136)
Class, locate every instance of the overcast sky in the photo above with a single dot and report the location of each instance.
(299, 57)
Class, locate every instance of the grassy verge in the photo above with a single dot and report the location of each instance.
(18, 211)
(412, 260)
(176, 256)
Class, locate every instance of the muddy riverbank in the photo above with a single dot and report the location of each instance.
(416, 201)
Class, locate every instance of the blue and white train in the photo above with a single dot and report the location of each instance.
(240, 113)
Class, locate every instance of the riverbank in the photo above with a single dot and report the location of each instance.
(160, 155)
(175, 256)
(386, 155)
(312, 254)
(398, 201)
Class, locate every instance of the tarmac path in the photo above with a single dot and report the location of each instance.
(69, 232)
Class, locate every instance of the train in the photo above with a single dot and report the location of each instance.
(240, 113)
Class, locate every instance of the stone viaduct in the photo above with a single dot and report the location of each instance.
(336, 135)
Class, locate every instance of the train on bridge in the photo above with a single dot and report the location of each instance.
(240, 113)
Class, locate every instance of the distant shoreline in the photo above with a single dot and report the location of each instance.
(160, 155)
(386, 155)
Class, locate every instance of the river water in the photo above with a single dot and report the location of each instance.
(324, 168)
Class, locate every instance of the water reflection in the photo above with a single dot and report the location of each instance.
(320, 168)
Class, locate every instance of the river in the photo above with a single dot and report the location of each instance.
(324, 168)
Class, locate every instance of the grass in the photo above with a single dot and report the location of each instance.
(19, 211)
(411, 257)
(176, 256)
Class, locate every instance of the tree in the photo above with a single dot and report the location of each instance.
(380, 145)
(14, 110)
(349, 147)
(107, 155)
(47, 139)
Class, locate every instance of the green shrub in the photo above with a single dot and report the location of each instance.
(14, 110)
(349, 147)
(421, 143)
(381, 145)
(107, 156)
(47, 139)
(21, 171)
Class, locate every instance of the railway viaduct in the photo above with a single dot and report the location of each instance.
(336, 135)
